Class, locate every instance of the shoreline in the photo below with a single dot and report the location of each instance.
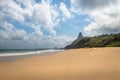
(15, 57)
(73, 64)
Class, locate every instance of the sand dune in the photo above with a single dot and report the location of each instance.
(76, 64)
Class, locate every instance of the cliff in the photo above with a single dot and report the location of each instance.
(106, 40)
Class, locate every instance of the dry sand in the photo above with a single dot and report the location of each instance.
(76, 64)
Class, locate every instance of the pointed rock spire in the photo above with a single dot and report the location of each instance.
(80, 35)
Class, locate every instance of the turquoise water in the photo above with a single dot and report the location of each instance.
(21, 52)
(17, 50)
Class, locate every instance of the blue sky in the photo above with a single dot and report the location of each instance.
(55, 23)
(68, 27)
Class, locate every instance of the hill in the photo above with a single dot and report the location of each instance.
(105, 40)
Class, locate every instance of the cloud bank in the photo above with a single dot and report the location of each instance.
(37, 16)
(104, 15)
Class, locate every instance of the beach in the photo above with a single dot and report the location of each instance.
(74, 64)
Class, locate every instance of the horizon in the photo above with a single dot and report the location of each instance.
(31, 24)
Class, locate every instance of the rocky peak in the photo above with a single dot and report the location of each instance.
(80, 35)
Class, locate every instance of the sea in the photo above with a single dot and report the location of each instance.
(25, 52)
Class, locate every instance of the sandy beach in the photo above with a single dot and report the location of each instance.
(74, 64)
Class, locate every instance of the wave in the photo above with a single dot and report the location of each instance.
(28, 53)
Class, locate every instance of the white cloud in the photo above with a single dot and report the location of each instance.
(12, 10)
(75, 6)
(105, 15)
(91, 4)
(66, 13)
(16, 38)
(106, 20)
(36, 16)
(42, 14)
(8, 31)
(57, 41)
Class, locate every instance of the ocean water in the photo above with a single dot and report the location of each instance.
(22, 52)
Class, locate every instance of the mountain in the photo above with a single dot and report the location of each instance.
(80, 35)
(105, 40)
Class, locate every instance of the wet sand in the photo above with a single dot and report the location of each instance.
(75, 64)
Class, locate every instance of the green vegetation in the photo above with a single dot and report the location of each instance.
(114, 44)
(106, 40)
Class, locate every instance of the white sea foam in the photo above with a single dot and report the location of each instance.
(28, 53)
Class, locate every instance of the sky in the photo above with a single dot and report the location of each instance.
(30, 24)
